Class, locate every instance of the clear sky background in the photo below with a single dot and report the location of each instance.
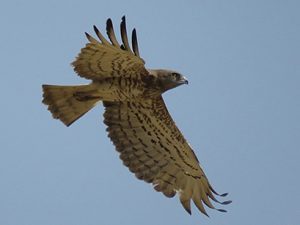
(240, 111)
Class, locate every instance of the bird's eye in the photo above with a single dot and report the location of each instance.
(176, 76)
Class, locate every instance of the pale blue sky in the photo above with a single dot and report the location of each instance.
(240, 111)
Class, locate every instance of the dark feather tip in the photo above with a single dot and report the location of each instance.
(188, 210)
(205, 213)
(135, 46)
(134, 36)
(226, 202)
(123, 23)
(223, 195)
(87, 35)
(109, 24)
(222, 210)
(96, 29)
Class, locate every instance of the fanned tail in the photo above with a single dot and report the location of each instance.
(68, 103)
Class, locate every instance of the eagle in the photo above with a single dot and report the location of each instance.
(137, 119)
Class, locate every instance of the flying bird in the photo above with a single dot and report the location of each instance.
(137, 119)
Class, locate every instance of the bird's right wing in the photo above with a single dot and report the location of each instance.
(153, 148)
(103, 59)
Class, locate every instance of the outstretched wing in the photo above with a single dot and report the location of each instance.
(153, 148)
(101, 59)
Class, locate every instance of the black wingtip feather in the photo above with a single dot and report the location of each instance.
(189, 211)
(111, 33)
(216, 193)
(124, 34)
(100, 36)
(223, 195)
(97, 32)
(222, 203)
(222, 210)
(135, 45)
(109, 23)
(226, 202)
(88, 36)
(96, 29)
(109, 26)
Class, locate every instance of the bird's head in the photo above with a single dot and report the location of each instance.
(168, 79)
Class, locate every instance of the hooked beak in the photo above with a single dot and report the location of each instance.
(184, 81)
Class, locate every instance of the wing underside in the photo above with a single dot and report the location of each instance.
(153, 148)
(101, 59)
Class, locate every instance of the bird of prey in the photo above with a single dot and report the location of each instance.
(137, 119)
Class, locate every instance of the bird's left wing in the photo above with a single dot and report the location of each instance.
(101, 59)
(153, 148)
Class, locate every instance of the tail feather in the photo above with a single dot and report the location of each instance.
(66, 102)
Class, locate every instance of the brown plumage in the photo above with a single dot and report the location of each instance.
(138, 122)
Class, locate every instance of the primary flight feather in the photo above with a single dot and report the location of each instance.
(138, 122)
